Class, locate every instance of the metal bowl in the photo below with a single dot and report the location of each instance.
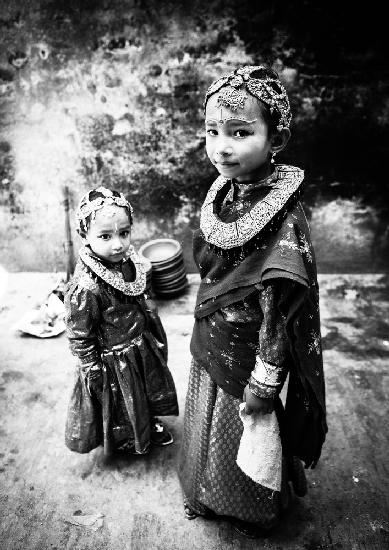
(170, 284)
(160, 251)
(173, 293)
(158, 277)
(169, 266)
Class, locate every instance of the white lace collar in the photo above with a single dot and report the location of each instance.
(115, 278)
(226, 235)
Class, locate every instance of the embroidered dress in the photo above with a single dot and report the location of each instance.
(118, 338)
(256, 320)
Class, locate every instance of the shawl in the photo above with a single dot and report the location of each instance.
(281, 249)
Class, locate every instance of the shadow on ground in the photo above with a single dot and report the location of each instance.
(52, 498)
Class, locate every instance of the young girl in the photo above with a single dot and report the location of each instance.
(257, 311)
(122, 380)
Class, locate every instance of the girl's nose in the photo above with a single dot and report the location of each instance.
(116, 244)
(224, 149)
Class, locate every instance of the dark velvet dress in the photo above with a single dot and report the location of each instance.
(246, 329)
(117, 336)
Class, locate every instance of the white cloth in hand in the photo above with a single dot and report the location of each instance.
(260, 451)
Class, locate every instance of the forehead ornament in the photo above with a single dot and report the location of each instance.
(108, 211)
(231, 98)
(89, 207)
(233, 88)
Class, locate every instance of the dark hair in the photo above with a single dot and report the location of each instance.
(272, 119)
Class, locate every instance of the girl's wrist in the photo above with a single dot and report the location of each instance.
(262, 390)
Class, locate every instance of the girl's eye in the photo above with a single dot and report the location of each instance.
(124, 234)
(211, 132)
(241, 133)
(105, 237)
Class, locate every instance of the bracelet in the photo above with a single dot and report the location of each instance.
(266, 373)
(262, 390)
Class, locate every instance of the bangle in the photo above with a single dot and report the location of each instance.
(262, 390)
(266, 373)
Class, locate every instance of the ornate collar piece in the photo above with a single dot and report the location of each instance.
(284, 183)
(115, 278)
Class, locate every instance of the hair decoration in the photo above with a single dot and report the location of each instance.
(88, 206)
(232, 98)
(261, 82)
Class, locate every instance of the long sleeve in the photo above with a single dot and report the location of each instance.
(270, 371)
(82, 318)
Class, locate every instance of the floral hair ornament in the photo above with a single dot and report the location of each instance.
(89, 205)
(261, 82)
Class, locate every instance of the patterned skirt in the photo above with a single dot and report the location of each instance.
(209, 476)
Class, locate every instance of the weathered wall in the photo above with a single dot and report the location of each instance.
(111, 92)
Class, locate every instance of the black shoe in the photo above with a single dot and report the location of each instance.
(189, 513)
(129, 448)
(297, 476)
(249, 530)
(159, 434)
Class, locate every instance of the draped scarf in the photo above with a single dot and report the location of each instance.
(280, 250)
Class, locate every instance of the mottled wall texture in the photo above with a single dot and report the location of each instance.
(110, 92)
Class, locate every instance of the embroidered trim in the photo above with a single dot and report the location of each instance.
(115, 279)
(236, 234)
(85, 279)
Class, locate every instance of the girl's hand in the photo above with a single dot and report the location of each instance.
(256, 404)
(95, 380)
(151, 305)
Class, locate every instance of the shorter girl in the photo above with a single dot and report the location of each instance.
(122, 380)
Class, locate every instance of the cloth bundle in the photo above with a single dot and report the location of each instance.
(260, 452)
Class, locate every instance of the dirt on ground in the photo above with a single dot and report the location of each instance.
(54, 499)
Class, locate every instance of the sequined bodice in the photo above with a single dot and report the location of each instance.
(242, 197)
(122, 320)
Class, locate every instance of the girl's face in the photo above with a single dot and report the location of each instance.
(109, 234)
(237, 142)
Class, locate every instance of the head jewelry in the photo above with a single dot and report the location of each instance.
(261, 82)
(95, 200)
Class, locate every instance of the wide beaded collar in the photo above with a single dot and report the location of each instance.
(284, 183)
(115, 278)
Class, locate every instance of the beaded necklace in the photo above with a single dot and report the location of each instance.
(115, 278)
(285, 185)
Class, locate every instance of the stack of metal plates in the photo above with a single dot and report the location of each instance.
(168, 278)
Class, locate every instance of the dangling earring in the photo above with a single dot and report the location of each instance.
(273, 154)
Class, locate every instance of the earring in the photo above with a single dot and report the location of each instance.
(273, 154)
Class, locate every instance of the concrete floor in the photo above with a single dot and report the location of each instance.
(53, 499)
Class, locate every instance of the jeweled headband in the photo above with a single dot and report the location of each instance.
(268, 89)
(88, 207)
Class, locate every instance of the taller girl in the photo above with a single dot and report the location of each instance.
(257, 311)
